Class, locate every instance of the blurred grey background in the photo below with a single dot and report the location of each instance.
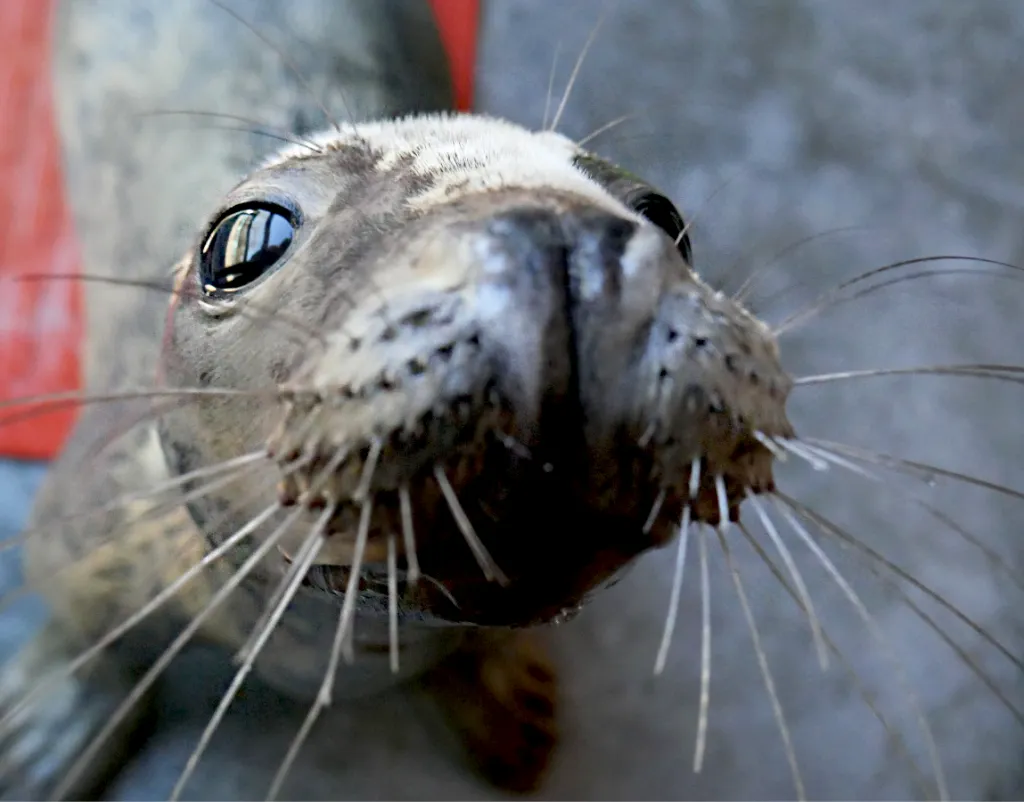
(768, 122)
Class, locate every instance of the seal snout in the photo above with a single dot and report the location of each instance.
(540, 365)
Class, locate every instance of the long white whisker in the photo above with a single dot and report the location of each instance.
(766, 673)
(895, 736)
(393, 602)
(889, 565)
(139, 615)
(408, 534)
(275, 597)
(575, 72)
(142, 686)
(677, 588)
(784, 505)
(795, 575)
(652, 516)
(608, 126)
(723, 503)
(777, 451)
(483, 557)
(705, 654)
(1005, 373)
(991, 555)
(924, 472)
(677, 574)
(341, 638)
(551, 86)
(297, 573)
(799, 449)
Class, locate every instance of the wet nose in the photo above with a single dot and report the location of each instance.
(583, 247)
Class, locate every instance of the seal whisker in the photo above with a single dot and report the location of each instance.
(677, 587)
(257, 312)
(832, 529)
(994, 558)
(52, 402)
(799, 449)
(894, 735)
(244, 129)
(809, 452)
(795, 575)
(787, 507)
(608, 126)
(576, 71)
(146, 681)
(705, 653)
(959, 650)
(723, 503)
(551, 85)
(311, 547)
(141, 614)
(835, 295)
(259, 128)
(408, 534)
(292, 67)
(1005, 373)
(512, 444)
(923, 471)
(652, 516)
(743, 291)
(677, 573)
(490, 569)
(282, 586)
(237, 469)
(362, 537)
(393, 602)
(369, 467)
(341, 636)
(922, 274)
(762, 661)
(768, 442)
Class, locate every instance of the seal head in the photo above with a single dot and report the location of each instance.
(478, 333)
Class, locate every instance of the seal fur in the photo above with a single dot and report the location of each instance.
(469, 282)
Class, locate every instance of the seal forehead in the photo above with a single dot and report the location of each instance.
(462, 155)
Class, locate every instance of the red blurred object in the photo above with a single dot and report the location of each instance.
(41, 320)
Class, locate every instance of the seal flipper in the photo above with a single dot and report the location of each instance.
(501, 695)
(42, 740)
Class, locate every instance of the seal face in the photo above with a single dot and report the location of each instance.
(455, 327)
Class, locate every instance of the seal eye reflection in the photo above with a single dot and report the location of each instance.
(243, 245)
(663, 213)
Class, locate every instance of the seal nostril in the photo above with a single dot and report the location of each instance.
(600, 239)
(700, 342)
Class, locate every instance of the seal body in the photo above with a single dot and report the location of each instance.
(439, 309)
(452, 358)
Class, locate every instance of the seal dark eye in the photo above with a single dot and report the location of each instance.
(663, 213)
(243, 245)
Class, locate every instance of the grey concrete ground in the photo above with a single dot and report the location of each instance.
(769, 122)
